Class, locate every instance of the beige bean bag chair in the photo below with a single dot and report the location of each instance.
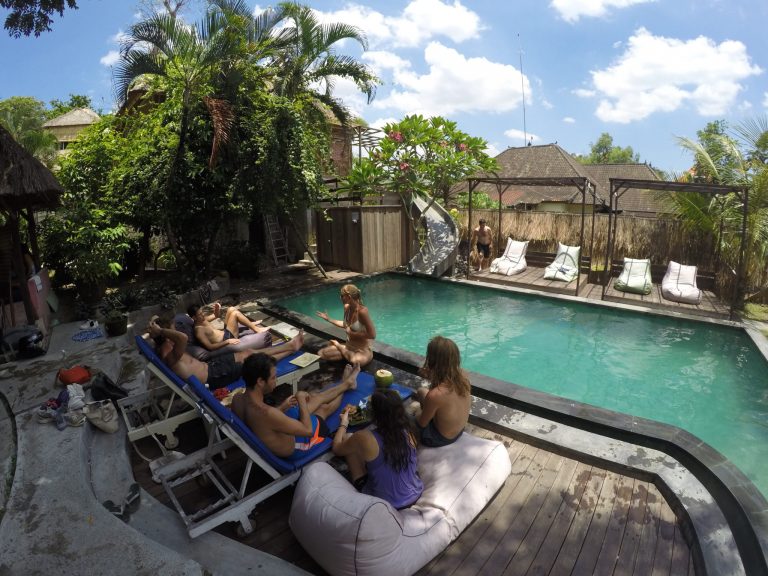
(349, 533)
(679, 284)
(635, 277)
(565, 266)
(512, 261)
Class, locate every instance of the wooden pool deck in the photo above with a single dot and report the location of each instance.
(533, 279)
(554, 515)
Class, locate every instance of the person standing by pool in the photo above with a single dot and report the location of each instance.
(382, 459)
(445, 404)
(359, 327)
(482, 237)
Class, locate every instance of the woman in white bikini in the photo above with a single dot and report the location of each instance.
(359, 327)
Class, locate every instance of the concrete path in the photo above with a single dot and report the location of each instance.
(55, 483)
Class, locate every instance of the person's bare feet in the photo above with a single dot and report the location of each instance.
(297, 341)
(350, 375)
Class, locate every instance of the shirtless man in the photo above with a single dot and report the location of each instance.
(484, 238)
(171, 346)
(212, 338)
(300, 421)
(445, 404)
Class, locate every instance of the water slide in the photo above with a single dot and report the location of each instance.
(439, 252)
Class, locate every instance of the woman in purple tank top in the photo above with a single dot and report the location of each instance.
(382, 459)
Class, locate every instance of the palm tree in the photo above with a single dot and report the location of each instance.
(309, 65)
(740, 161)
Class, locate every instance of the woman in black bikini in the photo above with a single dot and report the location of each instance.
(359, 327)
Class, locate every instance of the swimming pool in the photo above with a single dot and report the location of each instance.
(707, 379)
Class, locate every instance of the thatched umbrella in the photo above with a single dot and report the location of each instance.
(25, 184)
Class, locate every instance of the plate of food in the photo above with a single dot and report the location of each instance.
(360, 414)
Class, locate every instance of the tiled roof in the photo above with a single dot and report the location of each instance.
(634, 201)
(546, 161)
(76, 117)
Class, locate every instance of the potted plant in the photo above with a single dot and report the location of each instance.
(116, 323)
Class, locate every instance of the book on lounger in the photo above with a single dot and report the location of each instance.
(305, 359)
(284, 330)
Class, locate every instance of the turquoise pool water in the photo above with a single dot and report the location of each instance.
(710, 380)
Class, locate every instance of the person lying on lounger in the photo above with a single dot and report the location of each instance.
(382, 460)
(300, 421)
(445, 404)
(171, 345)
(212, 338)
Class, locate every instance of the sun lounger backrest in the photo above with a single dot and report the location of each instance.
(150, 355)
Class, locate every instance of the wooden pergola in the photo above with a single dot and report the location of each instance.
(618, 186)
(582, 184)
(26, 185)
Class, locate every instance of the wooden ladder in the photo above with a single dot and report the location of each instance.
(276, 240)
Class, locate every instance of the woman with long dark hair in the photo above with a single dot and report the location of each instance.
(382, 459)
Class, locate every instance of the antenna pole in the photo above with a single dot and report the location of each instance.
(522, 87)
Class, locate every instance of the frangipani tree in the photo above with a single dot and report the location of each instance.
(420, 157)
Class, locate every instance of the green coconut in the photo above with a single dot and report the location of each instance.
(383, 378)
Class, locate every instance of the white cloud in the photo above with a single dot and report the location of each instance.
(657, 74)
(572, 10)
(454, 84)
(492, 149)
(519, 136)
(419, 22)
(569, 120)
(584, 93)
(381, 122)
(111, 58)
(765, 99)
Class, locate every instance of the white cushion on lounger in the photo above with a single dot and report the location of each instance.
(635, 276)
(351, 533)
(565, 266)
(679, 284)
(513, 259)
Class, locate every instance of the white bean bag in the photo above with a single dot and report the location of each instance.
(512, 261)
(635, 277)
(349, 533)
(679, 284)
(565, 266)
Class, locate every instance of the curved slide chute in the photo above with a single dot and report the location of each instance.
(442, 246)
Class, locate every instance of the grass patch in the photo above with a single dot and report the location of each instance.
(757, 312)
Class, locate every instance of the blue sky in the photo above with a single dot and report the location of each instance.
(645, 71)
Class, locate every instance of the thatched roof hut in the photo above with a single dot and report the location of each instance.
(25, 185)
(24, 181)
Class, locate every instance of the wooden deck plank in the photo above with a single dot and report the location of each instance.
(595, 536)
(650, 533)
(662, 557)
(633, 529)
(609, 552)
(569, 552)
(569, 505)
(529, 501)
(523, 478)
(543, 523)
(681, 554)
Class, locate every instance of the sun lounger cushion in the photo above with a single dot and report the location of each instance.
(350, 533)
(565, 266)
(679, 284)
(248, 340)
(635, 277)
(512, 261)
